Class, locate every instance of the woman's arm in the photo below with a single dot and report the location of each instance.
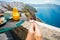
(34, 33)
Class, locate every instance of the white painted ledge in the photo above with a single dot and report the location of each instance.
(48, 26)
(49, 32)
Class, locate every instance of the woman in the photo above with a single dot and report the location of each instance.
(33, 32)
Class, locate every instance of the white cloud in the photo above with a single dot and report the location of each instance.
(39, 1)
(36, 1)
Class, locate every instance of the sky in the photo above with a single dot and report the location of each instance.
(35, 1)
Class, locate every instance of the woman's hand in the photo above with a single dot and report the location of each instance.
(34, 32)
(30, 35)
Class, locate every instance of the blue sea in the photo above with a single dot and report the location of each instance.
(48, 13)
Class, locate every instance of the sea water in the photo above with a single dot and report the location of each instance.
(49, 14)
